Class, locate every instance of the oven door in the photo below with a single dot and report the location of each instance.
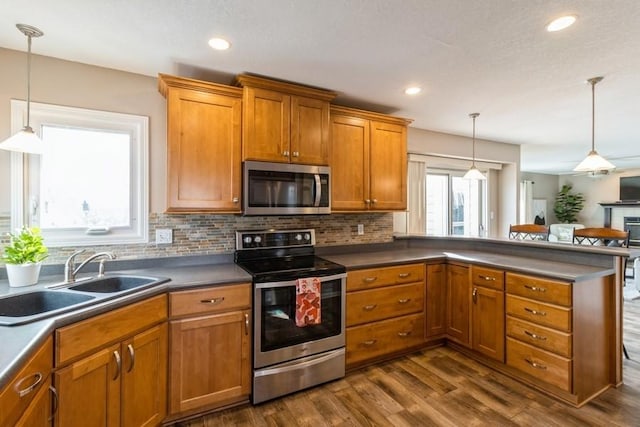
(278, 339)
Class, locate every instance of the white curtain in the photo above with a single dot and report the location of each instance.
(526, 202)
(416, 204)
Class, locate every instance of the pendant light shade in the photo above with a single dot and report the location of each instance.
(473, 172)
(26, 141)
(594, 162)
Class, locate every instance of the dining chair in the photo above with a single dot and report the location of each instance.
(604, 236)
(529, 232)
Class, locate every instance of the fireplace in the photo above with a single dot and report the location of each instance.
(632, 223)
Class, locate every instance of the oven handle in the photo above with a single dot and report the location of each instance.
(293, 282)
(316, 202)
(296, 364)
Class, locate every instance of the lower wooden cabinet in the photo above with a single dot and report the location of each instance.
(25, 400)
(210, 354)
(487, 312)
(385, 312)
(458, 304)
(120, 384)
(436, 301)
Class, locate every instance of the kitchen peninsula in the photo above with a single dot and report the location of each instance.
(568, 295)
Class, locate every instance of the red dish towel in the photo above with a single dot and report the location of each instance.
(308, 302)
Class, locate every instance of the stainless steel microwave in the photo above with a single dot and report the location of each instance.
(286, 189)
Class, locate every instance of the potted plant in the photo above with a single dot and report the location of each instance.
(568, 205)
(24, 255)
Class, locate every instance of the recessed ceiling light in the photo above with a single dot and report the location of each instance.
(561, 23)
(219, 44)
(413, 90)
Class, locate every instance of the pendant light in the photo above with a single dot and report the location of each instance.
(26, 141)
(594, 162)
(473, 172)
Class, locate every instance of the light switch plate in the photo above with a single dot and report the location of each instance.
(164, 236)
(360, 229)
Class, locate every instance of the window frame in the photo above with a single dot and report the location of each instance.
(22, 166)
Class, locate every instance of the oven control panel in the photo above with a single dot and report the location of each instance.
(272, 239)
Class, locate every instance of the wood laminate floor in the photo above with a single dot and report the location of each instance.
(440, 387)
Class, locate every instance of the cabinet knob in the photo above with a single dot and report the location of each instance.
(296, 154)
(367, 201)
(375, 200)
(285, 154)
(235, 200)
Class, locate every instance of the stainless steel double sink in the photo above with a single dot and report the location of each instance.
(28, 307)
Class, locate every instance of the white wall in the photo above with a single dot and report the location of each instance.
(602, 189)
(545, 187)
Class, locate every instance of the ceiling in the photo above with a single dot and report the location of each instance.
(489, 56)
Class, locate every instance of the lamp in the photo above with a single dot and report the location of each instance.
(594, 162)
(473, 172)
(26, 141)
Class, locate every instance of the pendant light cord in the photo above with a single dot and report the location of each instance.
(473, 149)
(28, 81)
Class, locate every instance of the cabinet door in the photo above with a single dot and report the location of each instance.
(144, 378)
(436, 300)
(266, 125)
(210, 361)
(89, 390)
(388, 166)
(38, 413)
(488, 322)
(458, 303)
(204, 149)
(349, 161)
(309, 131)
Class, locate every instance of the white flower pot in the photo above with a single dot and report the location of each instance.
(23, 274)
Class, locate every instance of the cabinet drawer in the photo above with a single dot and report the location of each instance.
(487, 277)
(540, 364)
(377, 277)
(81, 337)
(383, 303)
(539, 313)
(21, 390)
(539, 336)
(539, 289)
(384, 337)
(210, 300)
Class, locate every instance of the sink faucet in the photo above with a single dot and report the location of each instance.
(70, 269)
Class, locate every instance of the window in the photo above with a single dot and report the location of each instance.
(455, 205)
(90, 185)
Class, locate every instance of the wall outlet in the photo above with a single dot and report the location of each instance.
(164, 236)
(360, 229)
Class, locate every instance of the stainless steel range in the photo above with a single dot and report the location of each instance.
(299, 311)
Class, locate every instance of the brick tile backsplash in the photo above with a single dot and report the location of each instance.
(200, 234)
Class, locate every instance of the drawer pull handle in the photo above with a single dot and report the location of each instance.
(212, 300)
(487, 278)
(369, 307)
(132, 357)
(404, 300)
(369, 279)
(535, 288)
(535, 312)
(535, 365)
(246, 324)
(404, 275)
(369, 343)
(37, 379)
(474, 295)
(118, 360)
(55, 402)
(536, 336)
(404, 334)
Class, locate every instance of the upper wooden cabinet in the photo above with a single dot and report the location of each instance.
(284, 122)
(204, 145)
(368, 159)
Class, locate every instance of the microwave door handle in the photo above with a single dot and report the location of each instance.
(316, 202)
